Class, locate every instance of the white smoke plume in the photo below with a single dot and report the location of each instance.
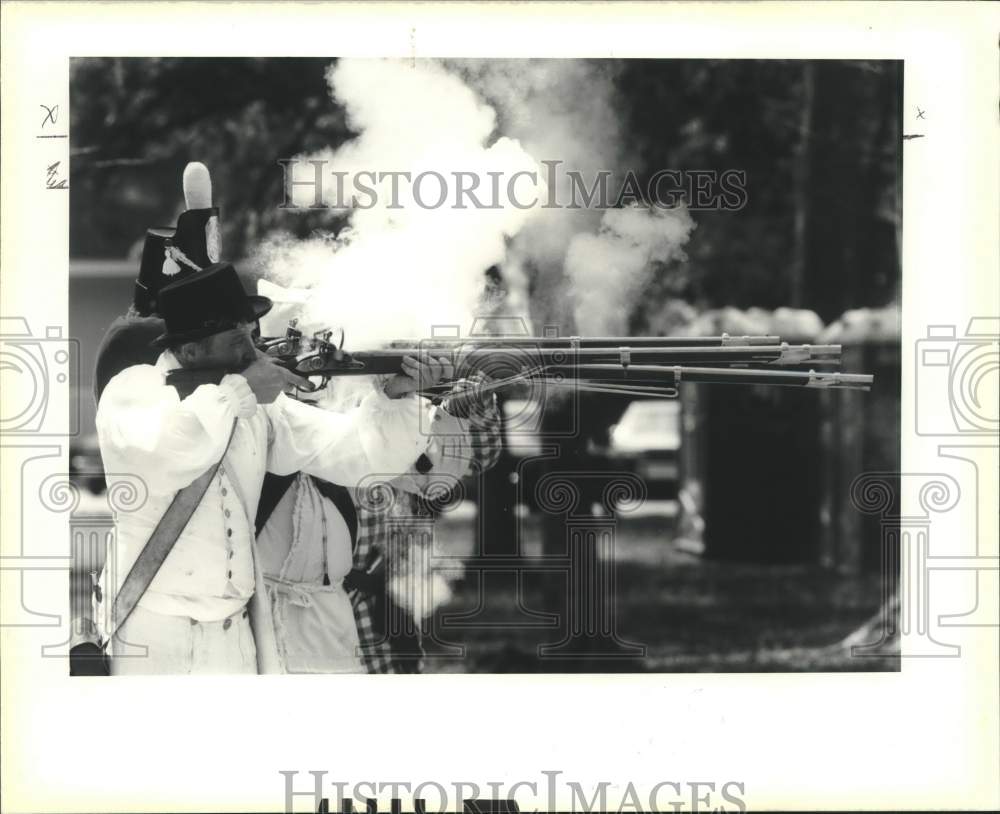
(399, 270)
(609, 270)
(565, 110)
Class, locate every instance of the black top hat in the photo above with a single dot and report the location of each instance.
(207, 302)
(151, 277)
(172, 254)
(196, 241)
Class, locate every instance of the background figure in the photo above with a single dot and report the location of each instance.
(323, 543)
(466, 441)
(306, 528)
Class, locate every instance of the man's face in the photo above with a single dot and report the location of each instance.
(231, 350)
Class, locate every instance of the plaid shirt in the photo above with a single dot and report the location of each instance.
(377, 510)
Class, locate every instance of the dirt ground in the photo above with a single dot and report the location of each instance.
(672, 612)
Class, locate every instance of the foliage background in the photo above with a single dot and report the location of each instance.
(820, 142)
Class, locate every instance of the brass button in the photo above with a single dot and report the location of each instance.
(224, 491)
(229, 575)
(194, 622)
(227, 624)
(229, 532)
(228, 512)
(230, 555)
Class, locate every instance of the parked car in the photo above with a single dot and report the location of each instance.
(646, 440)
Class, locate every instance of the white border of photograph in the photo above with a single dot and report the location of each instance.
(924, 738)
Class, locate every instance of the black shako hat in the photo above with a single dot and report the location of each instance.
(170, 254)
(207, 302)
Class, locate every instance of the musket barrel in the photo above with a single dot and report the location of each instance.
(491, 359)
(725, 340)
(667, 376)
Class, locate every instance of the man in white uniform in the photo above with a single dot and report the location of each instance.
(204, 611)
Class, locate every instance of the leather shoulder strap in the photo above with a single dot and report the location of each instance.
(271, 492)
(161, 542)
(340, 496)
(186, 380)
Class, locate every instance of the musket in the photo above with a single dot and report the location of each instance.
(652, 375)
(294, 341)
(623, 365)
(484, 357)
(725, 340)
(637, 366)
(317, 356)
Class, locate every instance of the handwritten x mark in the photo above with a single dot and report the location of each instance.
(52, 113)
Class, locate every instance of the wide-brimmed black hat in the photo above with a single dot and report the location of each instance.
(207, 302)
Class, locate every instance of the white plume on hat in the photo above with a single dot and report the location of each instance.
(197, 183)
(197, 186)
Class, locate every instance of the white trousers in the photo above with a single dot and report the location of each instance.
(155, 644)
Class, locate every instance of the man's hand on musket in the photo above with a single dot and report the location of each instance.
(419, 373)
(267, 379)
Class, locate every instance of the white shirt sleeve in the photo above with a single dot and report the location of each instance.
(381, 437)
(146, 430)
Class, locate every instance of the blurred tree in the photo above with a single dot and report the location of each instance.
(821, 147)
(855, 170)
(137, 122)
